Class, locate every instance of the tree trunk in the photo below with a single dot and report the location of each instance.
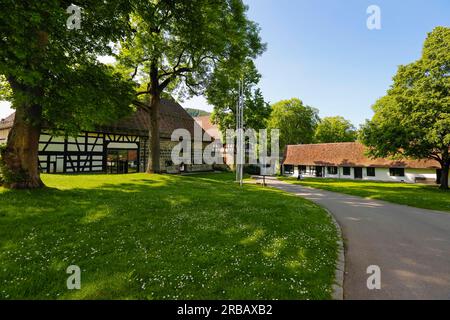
(444, 176)
(20, 158)
(154, 165)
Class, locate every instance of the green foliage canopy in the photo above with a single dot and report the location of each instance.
(44, 63)
(335, 129)
(297, 122)
(176, 45)
(413, 119)
(223, 94)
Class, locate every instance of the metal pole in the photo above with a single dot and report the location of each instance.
(240, 155)
(237, 130)
(242, 133)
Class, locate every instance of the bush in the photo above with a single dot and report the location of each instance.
(252, 169)
(221, 167)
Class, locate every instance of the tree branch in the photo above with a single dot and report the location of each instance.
(165, 83)
(142, 92)
(175, 68)
(173, 75)
(179, 59)
(134, 73)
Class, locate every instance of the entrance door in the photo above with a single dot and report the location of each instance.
(438, 176)
(319, 172)
(121, 161)
(358, 173)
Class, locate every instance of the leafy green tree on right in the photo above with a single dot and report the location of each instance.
(413, 119)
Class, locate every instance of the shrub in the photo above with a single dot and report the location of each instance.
(252, 169)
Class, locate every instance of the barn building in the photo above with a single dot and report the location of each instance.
(119, 148)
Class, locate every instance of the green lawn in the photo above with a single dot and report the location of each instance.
(163, 237)
(415, 195)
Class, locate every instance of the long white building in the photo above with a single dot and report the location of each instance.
(349, 161)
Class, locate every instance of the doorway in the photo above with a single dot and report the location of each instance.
(121, 161)
(438, 176)
(319, 172)
(358, 173)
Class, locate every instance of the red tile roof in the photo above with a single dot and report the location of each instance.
(348, 154)
(209, 127)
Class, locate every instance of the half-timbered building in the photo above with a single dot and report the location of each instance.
(122, 147)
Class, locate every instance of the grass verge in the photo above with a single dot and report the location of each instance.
(414, 195)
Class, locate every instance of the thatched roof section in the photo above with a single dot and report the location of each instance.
(7, 122)
(172, 114)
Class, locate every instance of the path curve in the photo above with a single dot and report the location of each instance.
(410, 245)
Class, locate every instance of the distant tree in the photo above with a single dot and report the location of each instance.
(297, 122)
(52, 76)
(223, 94)
(175, 49)
(196, 112)
(413, 119)
(335, 129)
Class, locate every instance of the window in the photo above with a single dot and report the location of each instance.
(371, 172)
(302, 169)
(332, 170)
(397, 172)
(288, 169)
(121, 161)
(347, 171)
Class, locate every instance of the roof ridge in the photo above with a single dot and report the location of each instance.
(324, 143)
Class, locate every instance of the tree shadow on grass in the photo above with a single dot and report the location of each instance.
(177, 237)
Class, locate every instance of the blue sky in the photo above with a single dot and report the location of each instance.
(322, 52)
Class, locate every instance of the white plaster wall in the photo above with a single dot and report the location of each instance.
(381, 174)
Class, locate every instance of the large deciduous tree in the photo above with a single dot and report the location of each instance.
(413, 119)
(335, 129)
(175, 49)
(52, 77)
(296, 122)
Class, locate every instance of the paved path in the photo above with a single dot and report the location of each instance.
(410, 245)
